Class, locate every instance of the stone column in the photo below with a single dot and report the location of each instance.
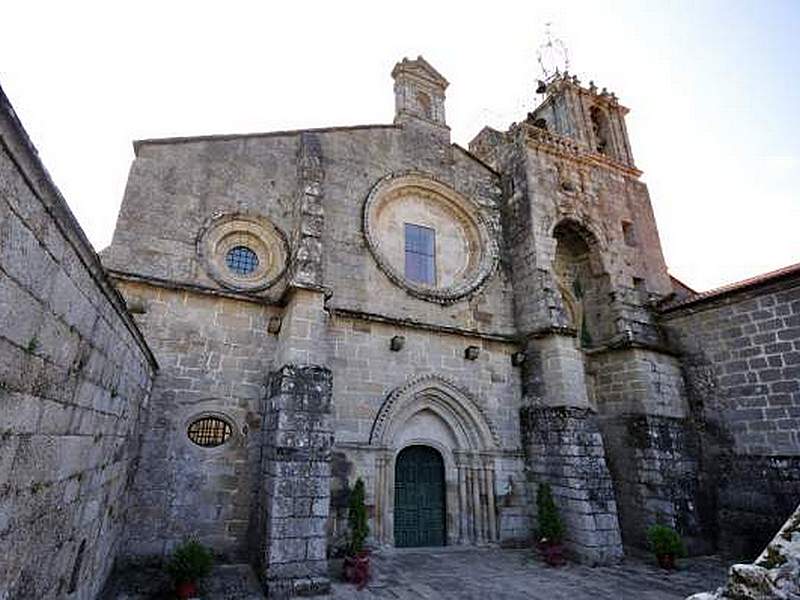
(492, 517)
(472, 529)
(380, 501)
(476, 504)
(296, 495)
(463, 520)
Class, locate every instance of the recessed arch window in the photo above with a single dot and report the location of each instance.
(425, 104)
(209, 431)
(602, 131)
(428, 238)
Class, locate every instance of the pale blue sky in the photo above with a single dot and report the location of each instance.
(713, 88)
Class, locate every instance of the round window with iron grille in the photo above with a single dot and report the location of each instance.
(209, 431)
(242, 252)
(241, 260)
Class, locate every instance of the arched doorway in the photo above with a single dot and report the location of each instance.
(436, 414)
(419, 502)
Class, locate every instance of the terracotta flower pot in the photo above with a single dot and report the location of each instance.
(186, 589)
(666, 561)
(552, 553)
(356, 569)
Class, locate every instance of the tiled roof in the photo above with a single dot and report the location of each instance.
(758, 280)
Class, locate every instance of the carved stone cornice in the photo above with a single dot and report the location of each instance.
(564, 147)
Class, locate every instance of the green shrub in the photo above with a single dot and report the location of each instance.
(191, 561)
(665, 540)
(551, 527)
(357, 518)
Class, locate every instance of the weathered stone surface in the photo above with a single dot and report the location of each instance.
(565, 449)
(296, 467)
(540, 345)
(741, 370)
(456, 574)
(75, 378)
(772, 576)
(204, 346)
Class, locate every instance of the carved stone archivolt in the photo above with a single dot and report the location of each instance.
(433, 411)
(473, 253)
(222, 233)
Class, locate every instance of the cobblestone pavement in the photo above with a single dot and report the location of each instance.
(466, 574)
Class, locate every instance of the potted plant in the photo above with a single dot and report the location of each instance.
(190, 562)
(666, 544)
(356, 563)
(551, 529)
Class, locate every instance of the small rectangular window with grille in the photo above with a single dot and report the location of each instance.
(420, 247)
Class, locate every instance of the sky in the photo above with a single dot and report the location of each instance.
(713, 88)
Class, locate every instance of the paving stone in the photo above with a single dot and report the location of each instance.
(483, 574)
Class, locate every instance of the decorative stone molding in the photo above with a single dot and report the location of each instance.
(482, 250)
(433, 411)
(223, 232)
(309, 214)
(469, 415)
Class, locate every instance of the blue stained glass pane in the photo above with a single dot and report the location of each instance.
(241, 260)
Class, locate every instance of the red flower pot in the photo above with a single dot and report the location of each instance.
(666, 561)
(552, 553)
(356, 569)
(186, 589)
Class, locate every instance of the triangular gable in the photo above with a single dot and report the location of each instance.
(420, 68)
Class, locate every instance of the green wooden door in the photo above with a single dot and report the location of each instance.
(419, 498)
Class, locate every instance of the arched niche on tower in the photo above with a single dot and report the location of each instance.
(582, 282)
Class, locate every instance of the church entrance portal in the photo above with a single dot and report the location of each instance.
(419, 505)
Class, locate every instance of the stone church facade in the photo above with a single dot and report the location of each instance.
(280, 314)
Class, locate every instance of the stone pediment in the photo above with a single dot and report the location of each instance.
(420, 68)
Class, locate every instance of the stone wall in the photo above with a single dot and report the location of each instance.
(564, 448)
(741, 359)
(312, 185)
(651, 445)
(215, 353)
(548, 182)
(176, 187)
(366, 371)
(75, 378)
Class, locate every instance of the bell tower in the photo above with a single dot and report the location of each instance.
(594, 119)
(419, 92)
(587, 271)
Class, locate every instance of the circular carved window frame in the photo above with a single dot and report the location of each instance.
(224, 232)
(480, 266)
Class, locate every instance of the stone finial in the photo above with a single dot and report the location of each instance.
(419, 91)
